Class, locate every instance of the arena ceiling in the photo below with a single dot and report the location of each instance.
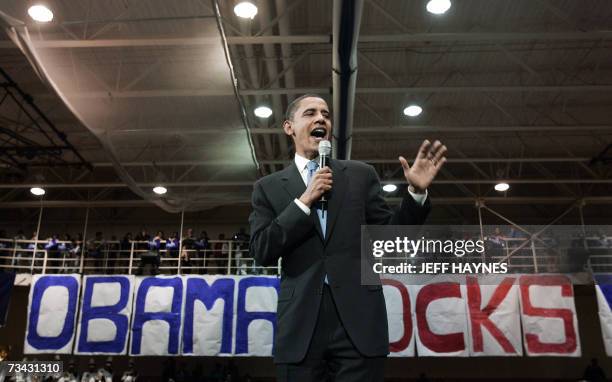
(143, 91)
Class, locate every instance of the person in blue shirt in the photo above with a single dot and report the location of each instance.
(172, 248)
(172, 245)
(153, 256)
(52, 254)
(155, 243)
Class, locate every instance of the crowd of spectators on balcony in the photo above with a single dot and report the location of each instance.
(194, 253)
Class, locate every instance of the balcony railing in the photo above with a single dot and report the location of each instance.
(231, 257)
(110, 257)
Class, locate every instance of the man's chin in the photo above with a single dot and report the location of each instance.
(315, 142)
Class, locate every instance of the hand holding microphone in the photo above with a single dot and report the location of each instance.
(321, 181)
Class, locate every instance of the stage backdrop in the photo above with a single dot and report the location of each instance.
(235, 316)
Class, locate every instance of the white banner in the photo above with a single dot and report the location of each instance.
(106, 310)
(400, 318)
(157, 321)
(493, 306)
(236, 316)
(603, 289)
(52, 312)
(440, 319)
(548, 316)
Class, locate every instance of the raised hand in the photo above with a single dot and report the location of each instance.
(428, 162)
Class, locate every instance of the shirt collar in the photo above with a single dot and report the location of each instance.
(301, 162)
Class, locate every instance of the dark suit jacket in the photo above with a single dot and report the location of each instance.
(279, 228)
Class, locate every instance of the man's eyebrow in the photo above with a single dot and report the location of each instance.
(315, 109)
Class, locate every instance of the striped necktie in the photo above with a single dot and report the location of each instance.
(312, 167)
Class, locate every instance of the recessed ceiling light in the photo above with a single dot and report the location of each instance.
(501, 187)
(389, 187)
(438, 7)
(37, 191)
(246, 10)
(263, 112)
(40, 13)
(160, 190)
(413, 110)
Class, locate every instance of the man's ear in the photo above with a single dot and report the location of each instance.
(288, 128)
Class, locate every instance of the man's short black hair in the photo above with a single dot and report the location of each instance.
(293, 106)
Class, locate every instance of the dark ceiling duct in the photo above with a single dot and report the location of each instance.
(346, 23)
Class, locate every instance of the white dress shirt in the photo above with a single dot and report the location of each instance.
(301, 162)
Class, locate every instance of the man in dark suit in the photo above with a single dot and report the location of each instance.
(329, 325)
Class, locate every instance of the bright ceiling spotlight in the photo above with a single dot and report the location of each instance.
(389, 187)
(263, 112)
(438, 7)
(246, 10)
(37, 191)
(40, 13)
(160, 190)
(413, 110)
(501, 187)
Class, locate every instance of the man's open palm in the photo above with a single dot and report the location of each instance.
(428, 162)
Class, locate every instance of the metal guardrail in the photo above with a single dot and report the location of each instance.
(232, 257)
(228, 257)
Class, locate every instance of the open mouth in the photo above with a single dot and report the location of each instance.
(319, 133)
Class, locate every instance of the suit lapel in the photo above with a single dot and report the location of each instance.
(337, 197)
(294, 185)
(292, 181)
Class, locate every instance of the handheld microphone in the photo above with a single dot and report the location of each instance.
(324, 157)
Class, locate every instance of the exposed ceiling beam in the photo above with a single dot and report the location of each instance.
(510, 181)
(246, 201)
(487, 89)
(406, 129)
(383, 129)
(155, 93)
(326, 39)
(471, 129)
(250, 183)
(370, 160)
(77, 204)
(184, 41)
(209, 92)
(190, 163)
(484, 36)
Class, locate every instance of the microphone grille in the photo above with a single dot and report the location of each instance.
(324, 147)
